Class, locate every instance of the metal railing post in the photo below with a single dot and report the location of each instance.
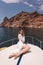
(12, 41)
(32, 41)
(41, 44)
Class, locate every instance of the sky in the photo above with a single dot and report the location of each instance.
(9, 8)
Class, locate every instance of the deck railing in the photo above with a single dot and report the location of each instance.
(34, 41)
(29, 39)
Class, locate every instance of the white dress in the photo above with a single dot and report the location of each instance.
(21, 41)
(35, 57)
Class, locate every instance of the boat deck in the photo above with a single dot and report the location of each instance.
(34, 57)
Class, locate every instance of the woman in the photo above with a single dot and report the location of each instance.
(22, 47)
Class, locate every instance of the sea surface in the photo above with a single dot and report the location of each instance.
(10, 33)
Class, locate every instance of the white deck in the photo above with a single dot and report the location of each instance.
(35, 57)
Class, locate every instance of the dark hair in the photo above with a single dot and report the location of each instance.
(22, 32)
(21, 28)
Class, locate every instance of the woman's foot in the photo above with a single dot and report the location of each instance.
(11, 55)
(15, 55)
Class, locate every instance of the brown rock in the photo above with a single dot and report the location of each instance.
(25, 19)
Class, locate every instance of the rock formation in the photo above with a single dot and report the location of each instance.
(24, 19)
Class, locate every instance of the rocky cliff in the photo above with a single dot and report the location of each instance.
(24, 19)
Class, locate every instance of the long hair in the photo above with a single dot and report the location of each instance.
(22, 32)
